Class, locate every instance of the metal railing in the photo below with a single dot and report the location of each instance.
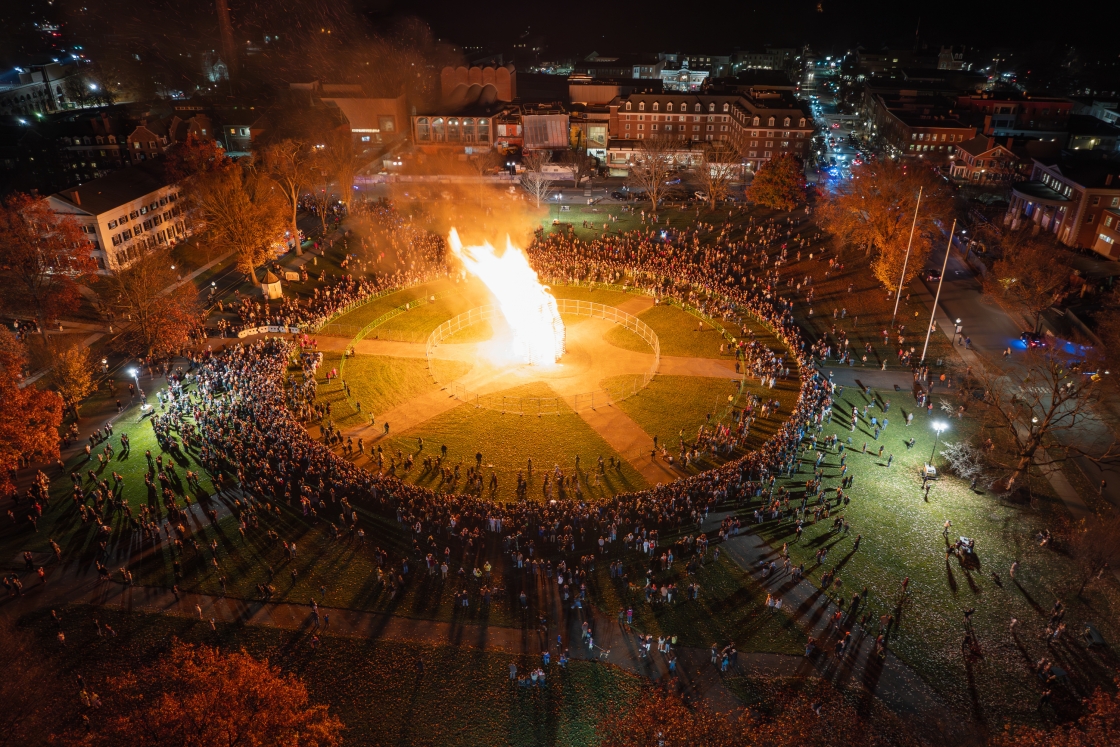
(541, 406)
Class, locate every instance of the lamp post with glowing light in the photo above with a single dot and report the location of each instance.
(937, 428)
(135, 373)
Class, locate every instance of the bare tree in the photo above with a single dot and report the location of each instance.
(482, 164)
(965, 460)
(1038, 405)
(722, 165)
(534, 181)
(340, 159)
(1029, 277)
(287, 162)
(651, 166)
(579, 162)
(242, 211)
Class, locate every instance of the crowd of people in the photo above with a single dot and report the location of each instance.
(246, 429)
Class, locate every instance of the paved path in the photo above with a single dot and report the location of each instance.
(635, 305)
(629, 439)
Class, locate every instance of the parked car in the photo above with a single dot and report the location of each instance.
(932, 276)
(1033, 340)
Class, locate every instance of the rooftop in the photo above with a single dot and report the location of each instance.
(115, 189)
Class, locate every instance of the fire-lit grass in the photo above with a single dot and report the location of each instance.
(549, 433)
(379, 382)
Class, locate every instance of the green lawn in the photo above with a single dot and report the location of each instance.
(463, 697)
(730, 608)
(379, 382)
(605, 296)
(507, 441)
(677, 332)
(902, 536)
(367, 313)
(417, 323)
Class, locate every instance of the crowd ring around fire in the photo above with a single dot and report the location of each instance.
(531, 343)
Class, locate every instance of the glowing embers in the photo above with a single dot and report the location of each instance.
(528, 307)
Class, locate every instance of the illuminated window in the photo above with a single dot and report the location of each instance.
(423, 130)
(484, 131)
(438, 130)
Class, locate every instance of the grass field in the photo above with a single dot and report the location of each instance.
(367, 313)
(379, 382)
(508, 441)
(463, 698)
(677, 331)
(730, 608)
(902, 536)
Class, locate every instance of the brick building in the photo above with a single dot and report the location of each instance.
(1067, 196)
(762, 124)
(982, 160)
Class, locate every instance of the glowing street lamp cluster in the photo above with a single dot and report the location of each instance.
(528, 307)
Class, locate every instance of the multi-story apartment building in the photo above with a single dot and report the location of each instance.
(762, 124)
(125, 214)
(1067, 196)
(37, 90)
(918, 127)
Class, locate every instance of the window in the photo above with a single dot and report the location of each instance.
(754, 133)
(752, 153)
(785, 143)
(628, 125)
(122, 220)
(696, 108)
(802, 122)
(765, 154)
(627, 106)
(423, 129)
(151, 145)
(1089, 218)
(641, 106)
(1096, 200)
(438, 130)
(144, 210)
(669, 107)
(756, 121)
(387, 123)
(655, 106)
(1108, 221)
(117, 240)
(786, 123)
(111, 224)
(453, 130)
(483, 131)
(641, 127)
(1116, 202)
(468, 130)
(771, 122)
(162, 201)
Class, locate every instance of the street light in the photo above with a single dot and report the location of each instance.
(135, 373)
(937, 428)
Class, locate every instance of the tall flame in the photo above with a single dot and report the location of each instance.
(528, 307)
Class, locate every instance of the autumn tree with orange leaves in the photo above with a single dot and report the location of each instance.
(29, 417)
(196, 696)
(1098, 727)
(779, 183)
(816, 716)
(43, 258)
(875, 211)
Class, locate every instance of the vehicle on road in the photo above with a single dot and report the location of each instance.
(1033, 340)
(932, 276)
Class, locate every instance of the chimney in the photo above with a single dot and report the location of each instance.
(1108, 180)
(74, 197)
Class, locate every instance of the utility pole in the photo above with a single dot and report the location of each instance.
(940, 282)
(906, 261)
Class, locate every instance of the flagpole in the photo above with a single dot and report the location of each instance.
(937, 297)
(906, 261)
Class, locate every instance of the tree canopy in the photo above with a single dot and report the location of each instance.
(30, 417)
(779, 183)
(197, 696)
(875, 210)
